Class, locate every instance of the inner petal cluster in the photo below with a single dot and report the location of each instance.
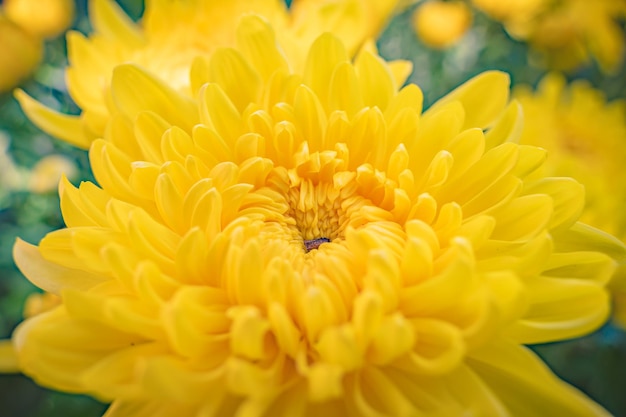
(321, 196)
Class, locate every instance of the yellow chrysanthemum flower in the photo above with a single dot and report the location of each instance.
(172, 34)
(567, 32)
(309, 243)
(579, 30)
(441, 24)
(585, 139)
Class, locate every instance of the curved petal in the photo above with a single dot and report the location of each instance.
(108, 18)
(56, 350)
(62, 126)
(47, 275)
(484, 98)
(526, 386)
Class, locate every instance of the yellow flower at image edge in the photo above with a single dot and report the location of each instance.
(310, 243)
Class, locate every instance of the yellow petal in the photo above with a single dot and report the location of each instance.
(568, 198)
(62, 126)
(134, 90)
(375, 79)
(438, 348)
(400, 70)
(108, 19)
(515, 374)
(59, 349)
(326, 53)
(483, 98)
(560, 308)
(583, 237)
(257, 42)
(47, 275)
(218, 112)
(508, 128)
(235, 76)
(338, 346)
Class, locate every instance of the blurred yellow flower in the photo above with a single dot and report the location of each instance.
(568, 33)
(47, 172)
(172, 34)
(306, 243)
(510, 10)
(585, 138)
(579, 30)
(41, 18)
(20, 54)
(441, 24)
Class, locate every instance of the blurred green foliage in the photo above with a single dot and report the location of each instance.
(596, 364)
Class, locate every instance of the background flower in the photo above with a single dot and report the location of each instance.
(441, 24)
(585, 138)
(186, 283)
(569, 33)
(564, 34)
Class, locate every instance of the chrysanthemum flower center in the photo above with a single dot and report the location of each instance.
(321, 196)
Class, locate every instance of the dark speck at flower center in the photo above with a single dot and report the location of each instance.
(309, 245)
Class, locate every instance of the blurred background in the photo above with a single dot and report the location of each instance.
(31, 162)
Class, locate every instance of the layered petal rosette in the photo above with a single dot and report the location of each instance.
(305, 243)
(172, 33)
